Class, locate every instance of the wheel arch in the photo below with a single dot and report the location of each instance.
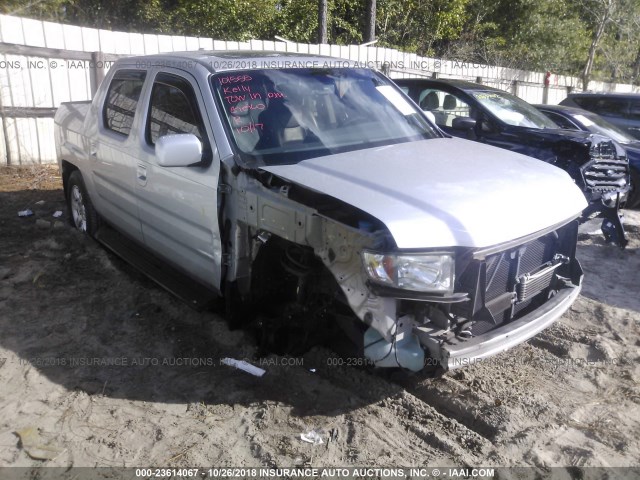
(67, 169)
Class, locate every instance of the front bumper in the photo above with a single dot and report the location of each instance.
(608, 207)
(468, 352)
(511, 294)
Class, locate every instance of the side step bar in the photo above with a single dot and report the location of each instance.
(189, 291)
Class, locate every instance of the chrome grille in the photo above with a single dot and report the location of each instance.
(605, 171)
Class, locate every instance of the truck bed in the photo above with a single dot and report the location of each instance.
(70, 115)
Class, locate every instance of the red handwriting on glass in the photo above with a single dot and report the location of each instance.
(251, 127)
(242, 98)
(235, 98)
(246, 107)
(234, 79)
(236, 89)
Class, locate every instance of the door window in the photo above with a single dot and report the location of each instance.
(122, 100)
(634, 110)
(610, 107)
(562, 121)
(173, 109)
(444, 106)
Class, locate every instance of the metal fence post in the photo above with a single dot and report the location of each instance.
(96, 71)
(545, 88)
(5, 133)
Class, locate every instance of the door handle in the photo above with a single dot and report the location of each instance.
(142, 175)
(93, 149)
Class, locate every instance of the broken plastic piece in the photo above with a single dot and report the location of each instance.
(25, 213)
(312, 436)
(57, 214)
(242, 365)
(37, 446)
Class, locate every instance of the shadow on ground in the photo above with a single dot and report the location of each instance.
(90, 322)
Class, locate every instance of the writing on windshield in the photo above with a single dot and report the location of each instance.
(285, 116)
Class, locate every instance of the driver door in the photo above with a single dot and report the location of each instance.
(447, 110)
(179, 205)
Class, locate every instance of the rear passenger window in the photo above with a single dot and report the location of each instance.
(634, 110)
(611, 107)
(173, 109)
(122, 100)
(560, 120)
(586, 102)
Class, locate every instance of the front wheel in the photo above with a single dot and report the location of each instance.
(82, 214)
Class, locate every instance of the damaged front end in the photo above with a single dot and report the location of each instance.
(606, 178)
(309, 267)
(600, 167)
(342, 206)
(501, 297)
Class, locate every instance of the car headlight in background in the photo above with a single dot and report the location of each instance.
(420, 272)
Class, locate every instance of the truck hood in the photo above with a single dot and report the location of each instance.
(547, 143)
(559, 134)
(444, 192)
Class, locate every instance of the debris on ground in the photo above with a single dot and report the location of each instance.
(312, 436)
(243, 365)
(36, 446)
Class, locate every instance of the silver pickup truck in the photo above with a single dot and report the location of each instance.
(312, 193)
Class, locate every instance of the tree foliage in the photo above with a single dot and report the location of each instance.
(421, 26)
(597, 39)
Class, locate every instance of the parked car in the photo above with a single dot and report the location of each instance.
(621, 109)
(488, 115)
(578, 119)
(310, 192)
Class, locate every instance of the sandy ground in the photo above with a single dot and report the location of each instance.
(99, 367)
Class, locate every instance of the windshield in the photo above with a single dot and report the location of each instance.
(597, 124)
(288, 115)
(512, 110)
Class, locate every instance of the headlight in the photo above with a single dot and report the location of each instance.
(420, 273)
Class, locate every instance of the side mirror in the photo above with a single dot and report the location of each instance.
(179, 150)
(463, 123)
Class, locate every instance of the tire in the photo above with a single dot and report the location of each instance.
(633, 201)
(82, 215)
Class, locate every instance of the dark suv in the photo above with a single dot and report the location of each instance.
(469, 110)
(621, 109)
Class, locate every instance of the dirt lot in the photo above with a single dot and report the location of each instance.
(99, 367)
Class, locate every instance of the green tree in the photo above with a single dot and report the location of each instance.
(591, 38)
(420, 26)
(599, 14)
(616, 56)
(525, 34)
